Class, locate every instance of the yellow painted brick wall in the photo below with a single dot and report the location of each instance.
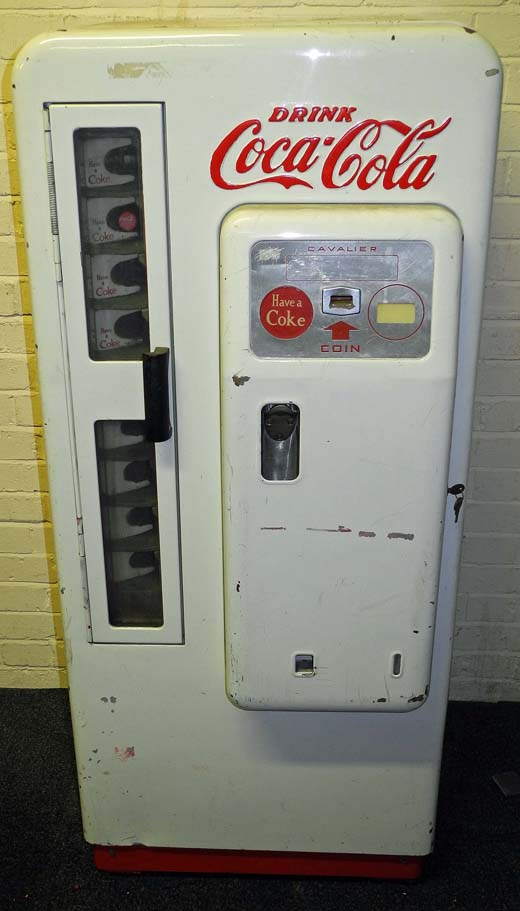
(487, 658)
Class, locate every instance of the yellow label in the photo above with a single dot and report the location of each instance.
(396, 313)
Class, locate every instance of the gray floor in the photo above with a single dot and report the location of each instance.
(46, 865)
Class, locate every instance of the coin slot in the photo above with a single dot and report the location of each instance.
(344, 301)
(341, 301)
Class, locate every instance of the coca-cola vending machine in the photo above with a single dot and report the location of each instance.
(257, 262)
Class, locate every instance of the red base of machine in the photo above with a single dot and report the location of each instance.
(143, 859)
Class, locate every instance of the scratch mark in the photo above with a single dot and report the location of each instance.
(400, 534)
(240, 380)
(273, 528)
(419, 698)
(342, 529)
(366, 534)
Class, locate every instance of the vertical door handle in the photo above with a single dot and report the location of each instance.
(156, 395)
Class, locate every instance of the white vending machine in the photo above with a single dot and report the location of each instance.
(257, 260)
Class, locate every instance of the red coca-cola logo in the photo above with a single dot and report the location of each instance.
(245, 157)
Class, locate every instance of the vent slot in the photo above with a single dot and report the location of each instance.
(52, 197)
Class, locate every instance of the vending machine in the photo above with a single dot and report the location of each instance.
(257, 260)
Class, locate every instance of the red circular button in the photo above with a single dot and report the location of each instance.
(286, 312)
(127, 220)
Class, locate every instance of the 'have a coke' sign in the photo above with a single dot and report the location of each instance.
(245, 157)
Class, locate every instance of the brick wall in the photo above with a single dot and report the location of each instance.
(487, 646)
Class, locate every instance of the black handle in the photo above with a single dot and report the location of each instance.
(156, 395)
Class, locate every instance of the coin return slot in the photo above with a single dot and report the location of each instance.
(304, 665)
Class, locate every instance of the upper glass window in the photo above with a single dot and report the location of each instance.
(110, 201)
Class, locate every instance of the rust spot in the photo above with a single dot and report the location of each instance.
(273, 528)
(406, 536)
(238, 586)
(366, 534)
(342, 529)
(240, 380)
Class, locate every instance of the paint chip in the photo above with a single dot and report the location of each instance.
(405, 536)
(124, 753)
(366, 534)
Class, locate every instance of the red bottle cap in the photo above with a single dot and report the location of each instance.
(127, 220)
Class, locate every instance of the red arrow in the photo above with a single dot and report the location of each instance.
(340, 330)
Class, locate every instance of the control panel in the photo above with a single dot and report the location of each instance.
(330, 298)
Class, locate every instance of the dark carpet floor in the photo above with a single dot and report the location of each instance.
(44, 863)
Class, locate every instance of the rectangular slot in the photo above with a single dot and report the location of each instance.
(111, 217)
(129, 517)
(343, 301)
(280, 434)
(396, 313)
(304, 665)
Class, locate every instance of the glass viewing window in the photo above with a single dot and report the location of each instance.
(111, 217)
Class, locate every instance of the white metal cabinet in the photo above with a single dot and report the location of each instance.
(180, 766)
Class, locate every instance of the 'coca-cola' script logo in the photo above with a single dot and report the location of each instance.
(245, 158)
